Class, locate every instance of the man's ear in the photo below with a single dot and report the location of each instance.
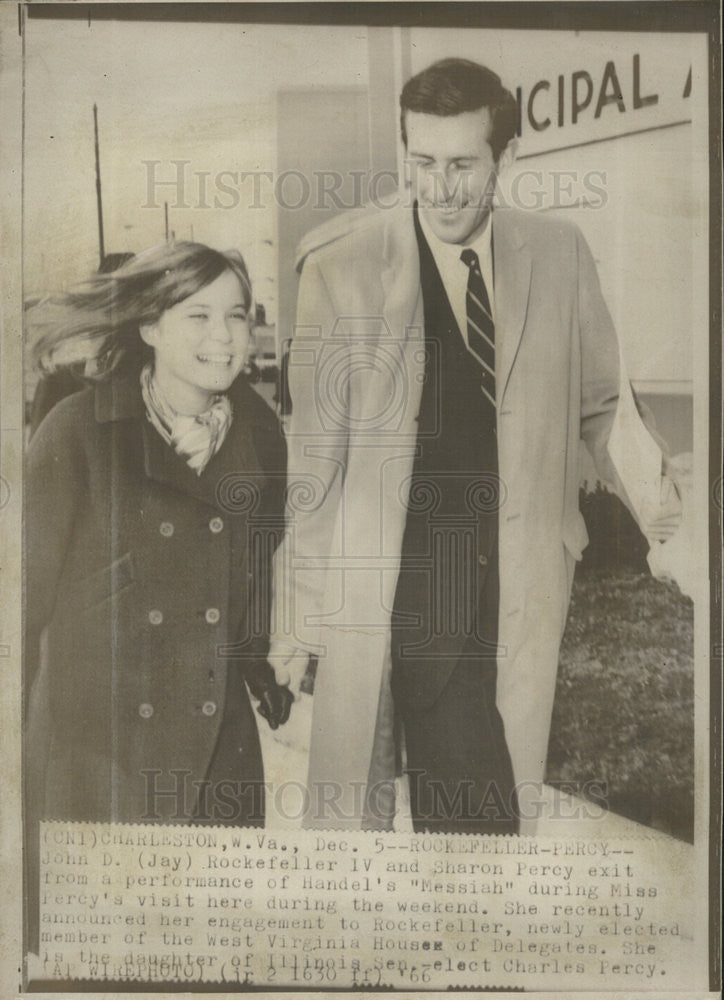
(507, 157)
(149, 333)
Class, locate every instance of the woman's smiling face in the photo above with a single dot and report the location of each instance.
(200, 344)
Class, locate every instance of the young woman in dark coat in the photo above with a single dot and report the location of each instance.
(153, 506)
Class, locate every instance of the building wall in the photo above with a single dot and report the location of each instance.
(337, 120)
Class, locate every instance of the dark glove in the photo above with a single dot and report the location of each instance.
(275, 700)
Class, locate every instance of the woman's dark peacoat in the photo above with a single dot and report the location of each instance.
(140, 574)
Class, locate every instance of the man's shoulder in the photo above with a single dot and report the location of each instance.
(538, 227)
(343, 238)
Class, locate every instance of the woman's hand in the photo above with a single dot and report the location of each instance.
(275, 700)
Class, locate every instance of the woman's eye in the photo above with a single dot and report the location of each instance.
(198, 316)
(239, 315)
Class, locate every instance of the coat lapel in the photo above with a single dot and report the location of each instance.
(512, 263)
(235, 464)
(401, 275)
(403, 310)
(163, 465)
(120, 399)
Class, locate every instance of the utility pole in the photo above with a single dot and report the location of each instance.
(99, 199)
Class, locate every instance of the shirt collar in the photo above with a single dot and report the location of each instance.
(482, 244)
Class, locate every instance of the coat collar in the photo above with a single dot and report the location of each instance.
(512, 263)
(119, 398)
(401, 274)
(235, 466)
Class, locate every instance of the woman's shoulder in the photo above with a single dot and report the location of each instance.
(77, 421)
(63, 448)
(263, 422)
(68, 415)
(250, 406)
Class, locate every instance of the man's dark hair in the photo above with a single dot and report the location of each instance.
(453, 86)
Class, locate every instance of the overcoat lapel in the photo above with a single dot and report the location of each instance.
(512, 263)
(403, 312)
(401, 276)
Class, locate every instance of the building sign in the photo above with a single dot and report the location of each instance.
(575, 88)
(572, 98)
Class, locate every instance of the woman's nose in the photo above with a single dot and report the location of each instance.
(221, 331)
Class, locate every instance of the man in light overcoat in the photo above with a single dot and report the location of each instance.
(447, 360)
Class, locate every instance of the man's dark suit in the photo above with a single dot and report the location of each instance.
(445, 620)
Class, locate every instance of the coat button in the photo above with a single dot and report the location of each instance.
(216, 525)
(155, 616)
(483, 560)
(145, 710)
(166, 529)
(209, 708)
(212, 615)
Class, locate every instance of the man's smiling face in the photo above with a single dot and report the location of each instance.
(453, 171)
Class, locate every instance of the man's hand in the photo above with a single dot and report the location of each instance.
(663, 519)
(289, 664)
(275, 700)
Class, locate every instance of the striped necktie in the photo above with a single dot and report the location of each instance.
(481, 328)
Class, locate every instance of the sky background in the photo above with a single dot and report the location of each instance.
(203, 93)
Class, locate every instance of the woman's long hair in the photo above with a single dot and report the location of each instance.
(96, 323)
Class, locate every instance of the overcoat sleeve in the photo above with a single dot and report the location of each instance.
(317, 440)
(605, 395)
(599, 363)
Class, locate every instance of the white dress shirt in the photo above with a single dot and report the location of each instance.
(454, 273)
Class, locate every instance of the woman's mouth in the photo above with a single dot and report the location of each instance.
(216, 360)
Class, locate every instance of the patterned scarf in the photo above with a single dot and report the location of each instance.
(198, 437)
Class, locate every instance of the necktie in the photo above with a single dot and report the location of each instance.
(481, 328)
